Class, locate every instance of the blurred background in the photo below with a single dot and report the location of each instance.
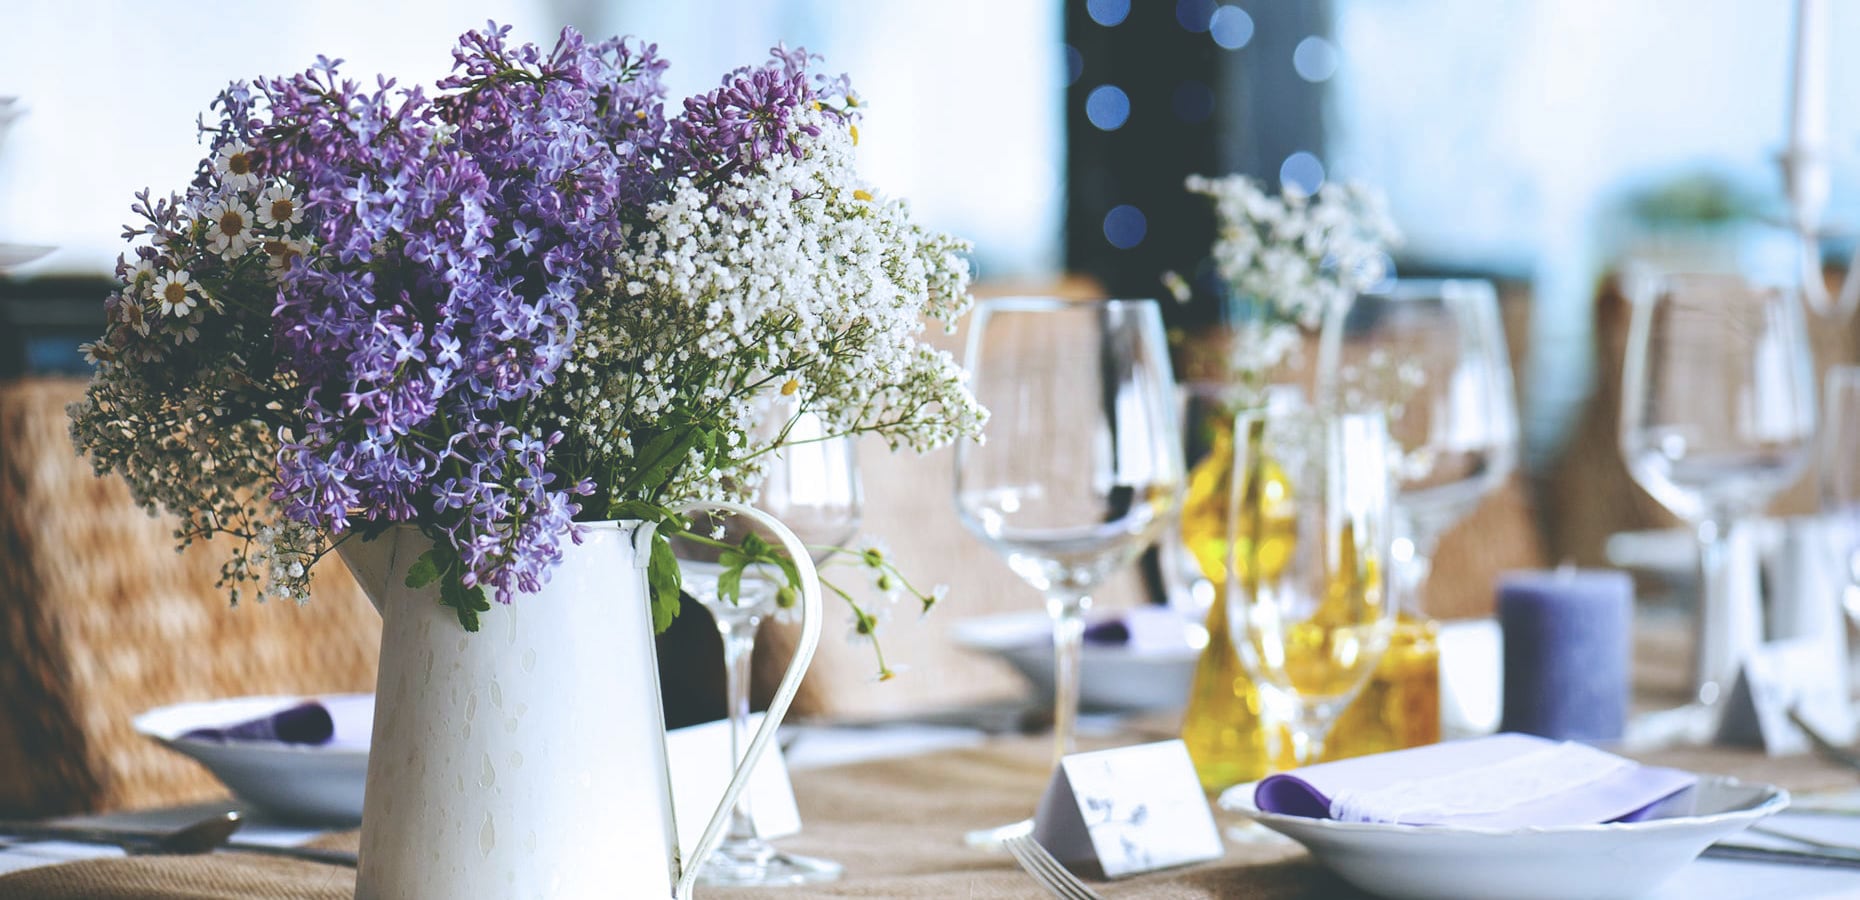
(1524, 139)
(1535, 143)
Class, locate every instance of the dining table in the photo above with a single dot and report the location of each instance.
(897, 822)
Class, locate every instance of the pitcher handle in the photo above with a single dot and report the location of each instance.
(784, 692)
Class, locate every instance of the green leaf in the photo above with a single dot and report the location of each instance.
(660, 457)
(755, 547)
(730, 585)
(466, 602)
(425, 570)
(638, 509)
(662, 577)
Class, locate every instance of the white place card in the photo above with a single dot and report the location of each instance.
(1127, 810)
(700, 760)
(1806, 674)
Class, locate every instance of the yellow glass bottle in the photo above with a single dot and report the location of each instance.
(1221, 725)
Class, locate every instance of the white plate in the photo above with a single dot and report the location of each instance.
(1154, 675)
(295, 781)
(1619, 860)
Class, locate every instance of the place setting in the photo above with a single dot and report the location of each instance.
(1207, 449)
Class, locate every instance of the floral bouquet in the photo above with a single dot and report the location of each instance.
(528, 298)
(1289, 260)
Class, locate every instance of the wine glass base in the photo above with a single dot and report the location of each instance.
(996, 838)
(753, 863)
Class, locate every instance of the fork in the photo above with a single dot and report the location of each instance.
(1046, 870)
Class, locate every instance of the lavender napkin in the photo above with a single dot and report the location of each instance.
(1502, 781)
(344, 721)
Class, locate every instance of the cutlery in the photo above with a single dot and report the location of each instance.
(1837, 859)
(205, 836)
(1046, 870)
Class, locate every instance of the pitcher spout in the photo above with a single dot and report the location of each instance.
(372, 562)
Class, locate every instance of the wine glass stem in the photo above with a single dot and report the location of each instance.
(1308, 727)
(1068, 611)
(1727, 625)
(739, 650)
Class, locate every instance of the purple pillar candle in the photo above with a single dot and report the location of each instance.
(1568, 648)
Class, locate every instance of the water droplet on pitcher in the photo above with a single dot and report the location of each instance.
(464, 643)
(487, 777)
(497, 694)
(529, 841)
(471, 706)
(522, 708)
(516, 760)
(487, 836)
(461, 782)
(529, 660)
(510, 725)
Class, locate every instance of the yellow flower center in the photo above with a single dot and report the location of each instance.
(639, 114)
(862, 195)
(281, 210)
(855, 134)
(231, 223)
(174, 293)
(239, 164)
(789, 387)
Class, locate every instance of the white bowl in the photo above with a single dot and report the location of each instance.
(293, 781)
(1617, 860)
(1156, 675)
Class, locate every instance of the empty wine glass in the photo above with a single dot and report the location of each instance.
(813, 487)
(1080, 467)
(1717, 415)
(1307, 570)
(1432, 356)
(1840, 478)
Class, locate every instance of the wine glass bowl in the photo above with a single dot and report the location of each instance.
(1311, 528)
(1431, 355)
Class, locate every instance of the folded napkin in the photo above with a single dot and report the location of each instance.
(339, 721)
(1502, 781)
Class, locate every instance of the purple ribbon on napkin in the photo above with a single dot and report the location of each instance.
(305, 723)
(1502, 781)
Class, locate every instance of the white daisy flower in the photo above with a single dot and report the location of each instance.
(236, 167)
(278, 207)
(229, 228)
(177, 293)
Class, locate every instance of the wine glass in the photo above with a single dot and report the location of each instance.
(1840, 478)
(1432, 356)
(1717, 415)
(1308, 554)
(1081, 465)
(813, 487)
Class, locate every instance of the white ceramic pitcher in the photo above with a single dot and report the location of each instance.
(528, 759)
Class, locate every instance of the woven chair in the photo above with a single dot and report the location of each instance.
(101, 620)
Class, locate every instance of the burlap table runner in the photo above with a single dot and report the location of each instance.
(896, 825)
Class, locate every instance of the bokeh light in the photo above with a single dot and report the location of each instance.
(1125, 226)
(1108, 107)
